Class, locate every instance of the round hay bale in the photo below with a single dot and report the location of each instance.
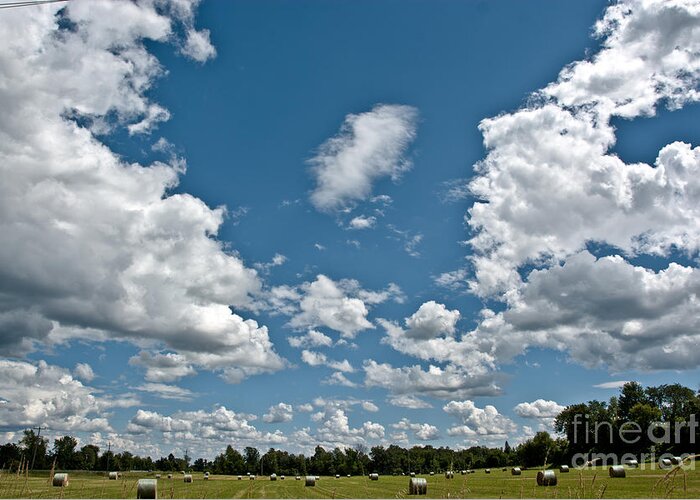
(617, 471)
(147, 488)
(113, 476)
(504, 469)
(563, 468)
(206, 478)
(182, 472)
(349, 475)
(297, 478)
(240, 477)
(281, 478)
(60, 479)
(273, 477)
(417, 486)
(665, 463)
(676, 460)
(374, 477)
(251, 477)
(487, 471)
(449, 475)
(310, 481)
(515, 471)
(546, 478)
(170, 476)
(432, 473)
(157, 476)
(318, 478)
(412, 474)
(337, 476)
(187, 478)
(632, 462)
(206, 474)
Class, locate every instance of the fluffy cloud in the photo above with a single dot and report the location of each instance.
(369, 146)
(430, 320)
(84, 372)
(550, 185)
(313, 338)
(369, 406)
(48, 395)
(362, 222)
(339, 378)
(604, 311)
(436, 382)
(424, 432)
(539, 408)
(339, 305)
(202, 427)
(96, 247)
(334, 427)
(282, 412)
(476, 421)
(615, 384)
(313, 358)
(163, 367)
(408, 401)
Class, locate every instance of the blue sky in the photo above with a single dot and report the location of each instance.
(480, 211)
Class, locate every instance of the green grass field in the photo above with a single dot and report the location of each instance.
(588, 483)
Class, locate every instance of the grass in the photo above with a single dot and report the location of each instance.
(589, 483)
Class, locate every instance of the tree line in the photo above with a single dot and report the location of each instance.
(639, 420)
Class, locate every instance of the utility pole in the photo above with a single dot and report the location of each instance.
(36, 442)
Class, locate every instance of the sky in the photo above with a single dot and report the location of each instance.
(283, 224)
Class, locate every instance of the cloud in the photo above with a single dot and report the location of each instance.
(436, 382)
(48, 395)
(339, 378)
(163, 367)
(614, 384)
(369, 406)
(338, 305)
(452, 280)
(313, 338)
(97, 247)
(282, 412)
(166, 391)
(334, 428)
(313, 358)
(83, 371)
(430, 320)
(369, 146)
(306, 408)
(265, 267)
(408, 401)
(424, 432)
(550, 186)
(476, 421)
(362, 222)
(539, 408)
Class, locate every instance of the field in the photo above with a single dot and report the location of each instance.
(588, 483)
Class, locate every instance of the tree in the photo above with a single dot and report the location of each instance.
(252, 459)
(64, 452)
(631, 394)
(34, 448)
(538, 451)
(87, 457)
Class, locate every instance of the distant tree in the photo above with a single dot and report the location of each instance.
(64, 452)
(252, 459)
(34, 449)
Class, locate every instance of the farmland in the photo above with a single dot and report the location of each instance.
(588, 483)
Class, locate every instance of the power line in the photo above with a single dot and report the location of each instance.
(27, 3)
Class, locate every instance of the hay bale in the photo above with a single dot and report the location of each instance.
(251, 477)
(617, 471)
(632, 462)
(297, 478)
(318, 478)
(665, 463)
(374, 477)
(240, 477)
(417, 486)
(546, 478)
(412, 474)
(563, 468)
(157, 476)
(676, 460)
(349, 475)
(449, 475)
(170, 476)
(113, 476)
(273, 477)
(515, 471)
(432, 473)
(60, 479)
(487, 471)
(187, 478)
(281, 478)
(147, 488)
(337, 476)
(206, 474)
(310, 481)
(504, 469)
